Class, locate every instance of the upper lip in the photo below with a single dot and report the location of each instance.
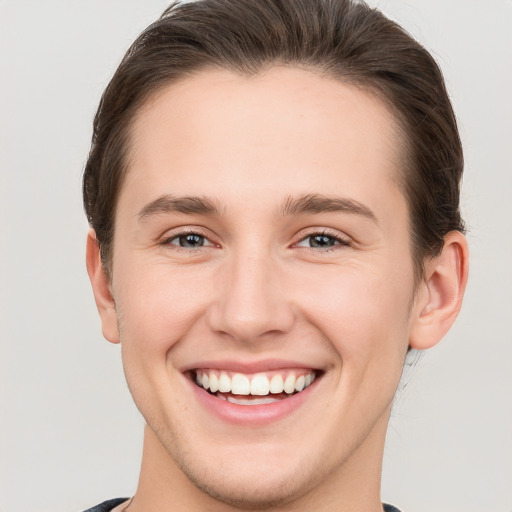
(248, 366)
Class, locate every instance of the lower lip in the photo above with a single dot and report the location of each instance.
(252, 414)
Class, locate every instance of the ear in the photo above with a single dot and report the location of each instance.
(439, 297)
(101, 288)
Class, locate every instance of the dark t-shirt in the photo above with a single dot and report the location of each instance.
(107, 506)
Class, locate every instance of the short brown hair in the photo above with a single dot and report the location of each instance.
(343, 39)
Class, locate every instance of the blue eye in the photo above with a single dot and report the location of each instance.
(189, 241)
(321, 241)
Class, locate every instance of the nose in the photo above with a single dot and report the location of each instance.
(252, 301)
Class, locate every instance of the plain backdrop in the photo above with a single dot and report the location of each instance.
(69, 434)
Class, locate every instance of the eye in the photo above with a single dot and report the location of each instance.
(188, 241)
(322, 241)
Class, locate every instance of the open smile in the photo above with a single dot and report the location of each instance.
(253, 398)
(253, 389)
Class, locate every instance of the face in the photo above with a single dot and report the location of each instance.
(263, 280)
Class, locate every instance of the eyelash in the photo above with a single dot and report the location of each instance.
(168, 240)
(338, 240)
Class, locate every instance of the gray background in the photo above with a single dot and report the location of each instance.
(69, 434)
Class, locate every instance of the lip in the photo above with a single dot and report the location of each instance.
(251, 415)
(249, 367)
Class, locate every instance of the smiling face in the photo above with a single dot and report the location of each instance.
(263, 283)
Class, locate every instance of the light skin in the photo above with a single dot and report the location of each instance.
(298, 259)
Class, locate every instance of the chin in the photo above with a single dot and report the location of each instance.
(252, 490)
(251, 478)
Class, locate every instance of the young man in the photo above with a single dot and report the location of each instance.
(273, 196)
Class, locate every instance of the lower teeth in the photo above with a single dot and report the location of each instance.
(250, 400)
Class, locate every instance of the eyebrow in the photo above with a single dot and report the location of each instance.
(317, 203)
(185, 204)
(310, 203)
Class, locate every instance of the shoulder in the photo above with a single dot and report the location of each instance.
(106, 506)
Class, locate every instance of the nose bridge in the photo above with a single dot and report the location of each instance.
(250, 300)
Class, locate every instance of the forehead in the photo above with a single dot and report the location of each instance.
(288, 130)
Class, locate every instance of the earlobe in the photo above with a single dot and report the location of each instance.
(101, 288)
(439, 299)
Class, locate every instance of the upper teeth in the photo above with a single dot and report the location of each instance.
(259, 384)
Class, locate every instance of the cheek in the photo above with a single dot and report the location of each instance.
(364, 315)
(156, 309)
(159, 306)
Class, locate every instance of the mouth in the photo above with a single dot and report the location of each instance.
(253, 389)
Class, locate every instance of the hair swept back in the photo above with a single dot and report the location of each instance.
(343, 39)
